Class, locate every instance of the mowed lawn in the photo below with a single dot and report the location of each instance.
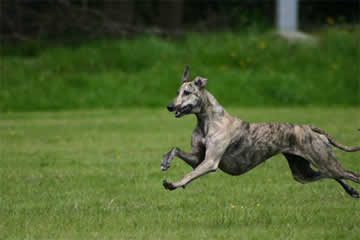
(96, 175)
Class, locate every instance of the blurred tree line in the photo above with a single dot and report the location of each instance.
(53, 19)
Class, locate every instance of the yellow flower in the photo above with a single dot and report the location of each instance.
(258, 205)
(242, 63)
(262, 45)
(334, 66)
(154, 68)
(223, 67)
(268, 68)
(118, 157)
(330, 20)
(233, 206)
(42, 77)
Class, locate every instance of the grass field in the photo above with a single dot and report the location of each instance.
(253, 68)
(96, 175)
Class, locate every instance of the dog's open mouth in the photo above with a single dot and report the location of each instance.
(185, 110)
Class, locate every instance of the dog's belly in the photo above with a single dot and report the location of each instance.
(255, 144)
(240, 162)
(239, 159)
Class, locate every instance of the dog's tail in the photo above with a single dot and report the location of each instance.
(332, 141)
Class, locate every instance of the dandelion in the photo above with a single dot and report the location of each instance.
(242, 63)
(154, 68)
(41, 78)
(330, 20)
(223, 67)
(268, 68)
(334, 66)
(258, 205)
(262, 45)
(233, 206)
(118, 157)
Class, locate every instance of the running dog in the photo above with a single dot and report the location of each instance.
(220, 140)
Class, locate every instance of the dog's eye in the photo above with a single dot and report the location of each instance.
(186, 93)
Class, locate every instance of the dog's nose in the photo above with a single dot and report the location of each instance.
(171, 107)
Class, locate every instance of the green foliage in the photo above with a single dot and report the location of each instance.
(250, 68)
(96, 175)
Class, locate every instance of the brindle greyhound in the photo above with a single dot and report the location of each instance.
(236, 146)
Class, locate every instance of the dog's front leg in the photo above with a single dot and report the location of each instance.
(204, 168)
(193, 159)
(210, 164)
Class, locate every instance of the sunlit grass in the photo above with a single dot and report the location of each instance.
(96, 175)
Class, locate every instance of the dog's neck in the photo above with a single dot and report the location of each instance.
(210, 111)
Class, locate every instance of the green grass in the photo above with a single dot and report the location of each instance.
(249, 68)
(96, 175)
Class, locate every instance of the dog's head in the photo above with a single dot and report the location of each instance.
(188, 98)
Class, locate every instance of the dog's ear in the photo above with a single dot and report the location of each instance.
(186, 74)
(200, 82)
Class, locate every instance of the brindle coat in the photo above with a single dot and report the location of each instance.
(236, 146)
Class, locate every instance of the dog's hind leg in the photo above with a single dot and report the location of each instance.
(327, 163)
(322, 156)
(353, 176)
(301, 170)
(303, 173)
(342, 174)
(349, 190)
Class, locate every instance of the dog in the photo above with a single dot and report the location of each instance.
(220, 140)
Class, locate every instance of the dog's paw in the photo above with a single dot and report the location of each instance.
(168, 185)
(165, 161)
(163, 168)
(353, 193)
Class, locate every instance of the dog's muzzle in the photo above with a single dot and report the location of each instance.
(184, 110)
(171, 107)
(179, 111)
